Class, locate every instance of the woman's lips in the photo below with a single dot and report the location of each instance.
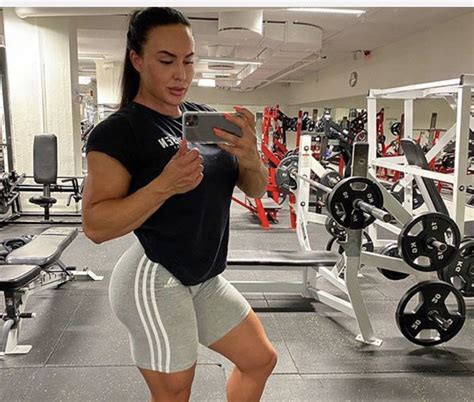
(176, 91)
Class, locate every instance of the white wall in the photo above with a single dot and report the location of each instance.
(442, 52)
(109, 75)
(42, 68)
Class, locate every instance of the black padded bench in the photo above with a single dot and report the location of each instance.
(31, 268)
(17, 276)
(44, 249)
(277, 258)
(25, 263)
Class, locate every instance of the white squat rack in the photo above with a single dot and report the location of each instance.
(458, 93)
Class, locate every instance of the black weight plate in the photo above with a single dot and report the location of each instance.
(342, 198)
(367, 243)
(283, 179)
(398, 192)
(460, 273)
(391, 250)
(330, 178)
(334, 229)
(431, 296)
(413, 241)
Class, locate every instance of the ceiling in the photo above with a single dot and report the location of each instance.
(101, 33)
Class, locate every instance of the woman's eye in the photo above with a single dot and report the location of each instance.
(189, 62)
(165, 62)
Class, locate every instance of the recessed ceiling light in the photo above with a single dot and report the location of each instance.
(84, 80)
(214, 75)
(328, 10)
(205, 82)
(257, 63)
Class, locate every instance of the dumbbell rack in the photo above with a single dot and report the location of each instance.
(457, 92)
(353, 258)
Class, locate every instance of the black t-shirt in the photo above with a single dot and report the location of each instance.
(189, 233)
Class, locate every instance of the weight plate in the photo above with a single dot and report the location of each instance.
(283, 179)
(430, 313)
(391, 250)
(460, 273)
(341, 201)
(367, 243)
(330, 178)
(414, 241)
(398, 191)
(334, 229)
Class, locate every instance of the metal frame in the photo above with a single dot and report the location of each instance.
(457, 92)
(353, 259)
(48, 278)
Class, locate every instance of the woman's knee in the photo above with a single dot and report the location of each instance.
(264, 362)
(169, 386)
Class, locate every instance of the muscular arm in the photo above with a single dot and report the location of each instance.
(107, 211)
(253, 180)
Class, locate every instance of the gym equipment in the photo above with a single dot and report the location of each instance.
(457, 93)
(8, 245)
(391, 250)
(45, 176)
(31, 268)
(429, 242)
(45, 167)
(431, 311)
(354, 202)
(460, 273)
(272, 151)
(398, 191)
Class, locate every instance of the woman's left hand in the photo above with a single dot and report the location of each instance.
(245, 147)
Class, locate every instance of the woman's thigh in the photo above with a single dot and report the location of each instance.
(157, 311)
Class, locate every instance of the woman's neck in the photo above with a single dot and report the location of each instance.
(158, 105)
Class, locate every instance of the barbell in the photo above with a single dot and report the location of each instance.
(427, 243)
(353, 202)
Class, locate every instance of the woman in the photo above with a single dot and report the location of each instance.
(166, 288)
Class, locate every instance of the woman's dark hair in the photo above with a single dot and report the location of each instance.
(141, 21)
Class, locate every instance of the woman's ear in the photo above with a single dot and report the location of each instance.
(136, 60)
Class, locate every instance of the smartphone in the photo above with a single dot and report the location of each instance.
(198, 127)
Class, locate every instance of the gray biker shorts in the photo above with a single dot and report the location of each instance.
(167, 320)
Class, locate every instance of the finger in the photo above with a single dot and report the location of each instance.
(228, 148)
(239, 121)
(249, 116)
(225, 135)
(190, 168)
(191, 156)
(183, 148)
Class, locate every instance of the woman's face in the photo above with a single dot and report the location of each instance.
(166, 64)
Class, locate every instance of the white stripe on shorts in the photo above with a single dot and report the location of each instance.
(160, 323)
(140, 313)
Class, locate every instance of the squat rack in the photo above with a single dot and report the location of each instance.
(457, 92)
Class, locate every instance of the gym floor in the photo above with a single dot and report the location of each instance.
(81, 351)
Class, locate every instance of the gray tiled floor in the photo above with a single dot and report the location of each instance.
(81, 351)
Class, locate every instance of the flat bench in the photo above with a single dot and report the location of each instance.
(28, 269)
(25, 263)
(44, 249)
(282, 258)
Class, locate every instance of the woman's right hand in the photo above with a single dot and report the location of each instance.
(183, 172)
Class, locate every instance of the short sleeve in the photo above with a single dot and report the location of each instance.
(114, 137)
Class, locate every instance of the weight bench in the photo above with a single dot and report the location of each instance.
(29, 269)
(298, 260)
